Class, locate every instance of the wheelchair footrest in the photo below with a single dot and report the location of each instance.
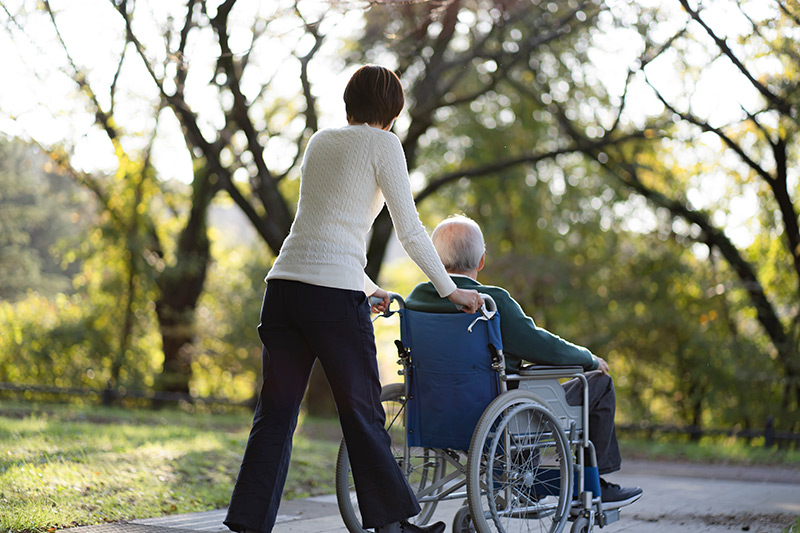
(608, 517)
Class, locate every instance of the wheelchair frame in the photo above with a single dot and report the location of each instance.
(516, 494)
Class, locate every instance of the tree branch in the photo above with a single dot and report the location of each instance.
(79, 77)
(782, 105)
(785, 9)
(788, 214)
(311, 102)
(180, 55)
(705, 126)
(714, 237)
(273, 235)
(278, 214)
(788, 50)
(504, 164)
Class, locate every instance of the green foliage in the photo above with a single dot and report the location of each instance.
(104, 331)
(227, 358)
(66, 341)
(39, 209)
(596, 267)
(594, 262)
(67, 466)
(586, 256)
(709, 450)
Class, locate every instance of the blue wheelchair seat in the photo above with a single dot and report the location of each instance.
(451, 379)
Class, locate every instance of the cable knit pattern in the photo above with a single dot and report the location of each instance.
(348, 173)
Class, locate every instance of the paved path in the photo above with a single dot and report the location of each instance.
(685, 498)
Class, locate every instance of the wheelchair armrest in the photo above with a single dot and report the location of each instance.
(537, 371)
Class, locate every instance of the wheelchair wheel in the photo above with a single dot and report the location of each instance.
(462, 521)
(424, 468)
(519, 468)
(581, 525)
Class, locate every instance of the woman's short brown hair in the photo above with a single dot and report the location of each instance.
(374, 95)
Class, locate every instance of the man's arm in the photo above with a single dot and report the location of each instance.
(524, 339)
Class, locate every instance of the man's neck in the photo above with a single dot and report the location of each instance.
(472, 274)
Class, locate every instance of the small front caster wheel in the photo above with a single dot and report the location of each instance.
(581, 525)
(462, 521)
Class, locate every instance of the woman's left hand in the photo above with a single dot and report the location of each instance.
(383, 305)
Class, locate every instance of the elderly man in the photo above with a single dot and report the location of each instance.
(459, 242)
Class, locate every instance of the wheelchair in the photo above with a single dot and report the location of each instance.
(509, 445)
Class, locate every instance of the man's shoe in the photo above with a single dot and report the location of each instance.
(405, 527)
(615, 496)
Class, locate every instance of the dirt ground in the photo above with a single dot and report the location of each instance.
(709, 498)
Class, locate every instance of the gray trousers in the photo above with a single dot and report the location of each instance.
(602, 406)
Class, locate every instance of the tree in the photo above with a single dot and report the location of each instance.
(494, 89)
(467, 62)
(574, 109)
(179, 269)
(39, 210)
(70, 298)
(229, 142)
(756, 149)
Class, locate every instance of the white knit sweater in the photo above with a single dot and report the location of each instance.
(346, 175)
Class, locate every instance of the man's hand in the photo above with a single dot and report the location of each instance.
(383, 305)
(602, 365)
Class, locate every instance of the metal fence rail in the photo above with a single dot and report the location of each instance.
(770, 435)
(110, 396)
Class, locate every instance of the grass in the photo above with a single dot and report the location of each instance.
(64, 466)
(709, 450)
(67, 465)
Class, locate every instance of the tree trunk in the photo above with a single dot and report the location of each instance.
(181, 285)
(381, 233)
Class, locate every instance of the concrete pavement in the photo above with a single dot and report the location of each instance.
(693, 498)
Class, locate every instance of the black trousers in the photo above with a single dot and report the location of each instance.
(301, 323)
(602, 407)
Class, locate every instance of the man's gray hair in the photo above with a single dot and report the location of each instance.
(459, 242)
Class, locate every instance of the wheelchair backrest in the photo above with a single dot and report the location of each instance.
(450, 379)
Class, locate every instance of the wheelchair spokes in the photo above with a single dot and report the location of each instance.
(422, 469)
(523, 482)
(520, 466)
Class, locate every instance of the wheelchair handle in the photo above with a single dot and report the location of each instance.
(393, 297)
(486, 312)
(489, 307)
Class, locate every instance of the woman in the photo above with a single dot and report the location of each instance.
(315, 307)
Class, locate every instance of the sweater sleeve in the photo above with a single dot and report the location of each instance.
(392, 176)
(523, 338)
(369, 286)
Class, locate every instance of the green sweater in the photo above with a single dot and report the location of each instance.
(522, 338)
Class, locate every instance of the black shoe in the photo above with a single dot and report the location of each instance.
(405, 527)
(615, 496)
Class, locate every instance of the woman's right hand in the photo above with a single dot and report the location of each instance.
(467, 299)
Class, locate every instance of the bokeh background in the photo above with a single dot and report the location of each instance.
(634, 166)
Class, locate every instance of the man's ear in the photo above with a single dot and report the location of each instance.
(483, 261)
